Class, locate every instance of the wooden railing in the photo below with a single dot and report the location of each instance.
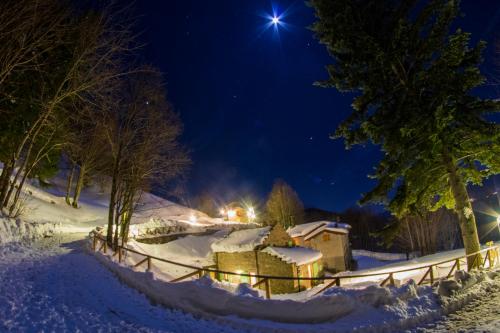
(491, 255)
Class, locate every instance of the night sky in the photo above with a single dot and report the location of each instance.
(246, 96)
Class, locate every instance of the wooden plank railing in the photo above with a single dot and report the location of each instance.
(492, 255)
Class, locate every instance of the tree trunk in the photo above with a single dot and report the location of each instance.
(112, 198)
(79, 186)
(18, 191)
(463, 209)
(5, 180)
(14, 182)
(118, 217)
(69, 184)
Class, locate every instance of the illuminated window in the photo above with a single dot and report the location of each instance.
(253, 279)
(326, 237)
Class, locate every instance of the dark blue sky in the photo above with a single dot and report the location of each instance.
(247, 100)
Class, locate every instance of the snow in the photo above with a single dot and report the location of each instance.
(416, 273)
(46, 213)
(368, 259)
(479, 314)
(381, 256)
(314, 228)
(242, 240)
(55, 285)
(374, 308)
(52, 287)
(190, 250)
(296, 255)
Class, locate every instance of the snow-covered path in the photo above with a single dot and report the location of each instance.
(479, 316)
(57, 287)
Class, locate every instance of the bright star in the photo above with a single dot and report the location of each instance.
(275, 20)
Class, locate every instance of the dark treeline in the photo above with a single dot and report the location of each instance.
(72, 93)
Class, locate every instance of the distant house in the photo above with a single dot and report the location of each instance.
(266, 251)
(330, 238)
(236, 213)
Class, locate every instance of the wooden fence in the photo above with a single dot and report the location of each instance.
(491, 255)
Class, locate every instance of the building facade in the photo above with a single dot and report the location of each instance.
(266, 251)
(330, 238)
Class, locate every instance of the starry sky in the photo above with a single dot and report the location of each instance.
(246, 97)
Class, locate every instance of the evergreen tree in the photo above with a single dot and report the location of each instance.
(284, 206)
(413, 79)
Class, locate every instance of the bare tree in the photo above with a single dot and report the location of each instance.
(429, 232)
(28, 30)
(86, 149)
(142, 137)
(87, 55)
(284, 206)
(205, 203)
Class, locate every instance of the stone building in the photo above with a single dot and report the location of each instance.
(266, 251)
(330, 238)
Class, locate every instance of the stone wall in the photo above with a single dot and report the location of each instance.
(278, 237)
(257, 263)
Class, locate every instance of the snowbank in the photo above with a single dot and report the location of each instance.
(16, 230)
(338, 309)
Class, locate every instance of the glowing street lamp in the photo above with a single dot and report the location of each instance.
(251, 214)
(231, 214)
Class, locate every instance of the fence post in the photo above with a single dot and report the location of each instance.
(105, 247)
(119, 254)
(431, 272)
(495, 256)
(337, 282)
(268, 288)
(458, 264)
(149, 263)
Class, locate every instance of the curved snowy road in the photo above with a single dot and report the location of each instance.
(57, 287)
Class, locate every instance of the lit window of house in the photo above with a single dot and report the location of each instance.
(326, 236)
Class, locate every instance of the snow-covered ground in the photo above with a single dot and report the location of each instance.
(52, 287)
(189, 250)
(479, 316)
(416, 267)
(371, 309)
(368, 259)
(47, 213)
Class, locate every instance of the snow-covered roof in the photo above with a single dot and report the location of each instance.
(308, 230)
(296, 255)
(242, 240)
